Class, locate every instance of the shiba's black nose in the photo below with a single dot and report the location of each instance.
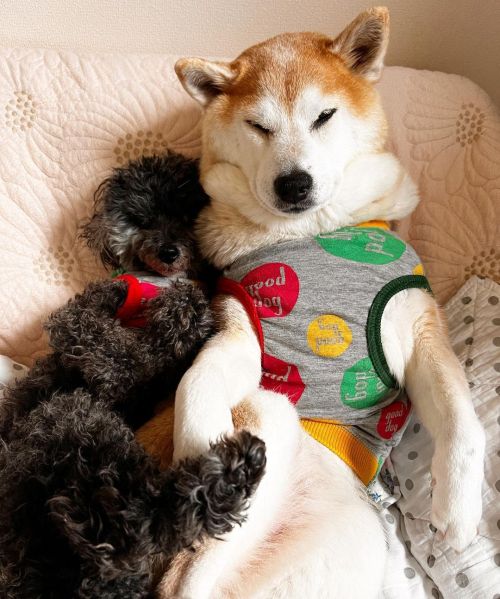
(168, 254)
(293, 188)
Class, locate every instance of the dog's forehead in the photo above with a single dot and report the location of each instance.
(286, 65)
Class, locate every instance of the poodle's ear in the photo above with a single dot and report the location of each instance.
(96, 233)
(363, 43)
(193, 196)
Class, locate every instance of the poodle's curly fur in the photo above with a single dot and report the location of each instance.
(129, 369)
(85, 512)
(143, 211)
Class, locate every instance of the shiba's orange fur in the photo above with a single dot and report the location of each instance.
(284, 65)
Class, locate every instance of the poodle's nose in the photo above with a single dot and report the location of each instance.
(294, 187)
(169, 254)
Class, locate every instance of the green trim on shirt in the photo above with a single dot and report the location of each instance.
(117, 272)
(373, 324)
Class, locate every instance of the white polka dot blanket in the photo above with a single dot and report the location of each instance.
(66, 119)
(421, 564)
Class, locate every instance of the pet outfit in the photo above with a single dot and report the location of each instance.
(316, 305)
(141, 287)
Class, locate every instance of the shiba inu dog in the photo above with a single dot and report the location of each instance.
(293, 159)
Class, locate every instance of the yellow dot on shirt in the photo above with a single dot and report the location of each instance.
(328, 336)
(418, 270)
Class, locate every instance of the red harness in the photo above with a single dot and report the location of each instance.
(131, 313)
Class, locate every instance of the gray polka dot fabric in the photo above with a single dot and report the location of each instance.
(462, 580)
(406, 579)
(409, 484)
(474, 320)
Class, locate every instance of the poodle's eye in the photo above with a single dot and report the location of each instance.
(258, 127)
(323, 118)
(142, 221)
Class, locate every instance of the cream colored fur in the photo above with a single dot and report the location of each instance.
(311, 532)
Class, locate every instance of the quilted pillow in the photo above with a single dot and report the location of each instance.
(474, 322)
(67, 119)
(446, 130)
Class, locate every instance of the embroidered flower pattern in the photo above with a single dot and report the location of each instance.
(20, 111)
(120, 123)
(467, 246)
(32, 92)
(455, 129)
(43, 264)
(54, 265)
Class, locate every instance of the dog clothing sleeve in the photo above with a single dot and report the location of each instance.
(317, 305)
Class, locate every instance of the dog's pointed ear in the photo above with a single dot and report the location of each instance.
(363, 43)
(203, 79)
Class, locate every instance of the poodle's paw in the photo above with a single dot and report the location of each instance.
(215, 487)
(79, 323)
(179, 319)
(243, 459)
(457, 473)
(103, 297)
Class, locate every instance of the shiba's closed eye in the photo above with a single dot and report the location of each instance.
(323, 118)
(259, 127)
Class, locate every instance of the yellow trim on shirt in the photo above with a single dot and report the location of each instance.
(343, 443)
(381, 224)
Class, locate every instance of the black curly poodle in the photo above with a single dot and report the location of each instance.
(85, 512)
(127, 349)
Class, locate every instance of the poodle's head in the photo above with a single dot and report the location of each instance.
(145, 214)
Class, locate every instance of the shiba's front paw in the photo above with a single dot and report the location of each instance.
(457, 473)
(385, 191)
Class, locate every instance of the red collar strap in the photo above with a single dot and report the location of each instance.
(230, 287)
(133, 302)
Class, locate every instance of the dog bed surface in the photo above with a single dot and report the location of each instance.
(67, 119)
(474, 320)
